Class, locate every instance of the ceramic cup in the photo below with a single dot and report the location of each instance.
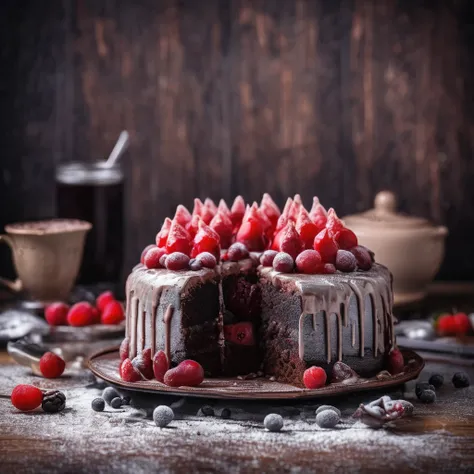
(47, 256)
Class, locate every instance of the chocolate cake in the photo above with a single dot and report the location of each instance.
(243, 316)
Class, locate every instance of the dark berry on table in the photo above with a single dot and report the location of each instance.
(328, 407)
(53, 401)
(109, 394)
(207, 410)
(461, 380)
(421, 386)
(98, 404)
(273, 422)
(225, 413)
(436, 380)
(163, 416)
(428, 396)
(116, 402)
(327, 419)
(126, 400)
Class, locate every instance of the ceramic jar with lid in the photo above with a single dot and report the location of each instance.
(411, 247)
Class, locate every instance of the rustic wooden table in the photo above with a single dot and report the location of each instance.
(438, 438)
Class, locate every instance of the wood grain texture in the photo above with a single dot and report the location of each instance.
(337, 98)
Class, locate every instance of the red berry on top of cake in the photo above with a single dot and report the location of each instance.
(246, 288)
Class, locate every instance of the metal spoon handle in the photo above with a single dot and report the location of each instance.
(119, 149)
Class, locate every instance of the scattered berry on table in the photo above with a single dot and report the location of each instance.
(98, 404)
(53, 401)
(314, 377)
(273, 422)
(112, 313)
(207, 410)
(327, 419)
(328, 407)
(226, 413)
(116, 402)
(421, 386)
(436, 380)
(126, 400)
(428, 396)
(163, 416)
(51, 365)
(109, 394)
(26, 397)
(81, 314)
(56, 314)
(461, 380)
(104, 299)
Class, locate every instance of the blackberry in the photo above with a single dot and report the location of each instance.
(116, 402)
(328, 407)
(273, 422)
(53, 401)
(109, 394)
(98, 404)
(225, 413)
(461, 380)
(428, 396)
(207, 410)
(422, 386)
(436, 380)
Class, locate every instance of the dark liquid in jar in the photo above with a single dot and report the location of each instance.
(101, 205)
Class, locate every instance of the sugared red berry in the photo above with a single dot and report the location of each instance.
(160, 365)
(314, 377)
(177, 261)
(306, 229)
(182, 216)
(309, 261)
(327, 419)
(113, 313)
(318, 214)
(428, 396)
(206, 240)
(144, 251)
(396, 364)
(51, 365)
(207, 213)
(162, 236)
(363, 257)
(103, 299)
(329, 269)
(267, 257)
(56, 314)
(345, 261)
(270, 209)
(273, 422)
(26, 397)
(116, 403)
(189, 373)
(206, 260)
(240, 333)
(98, 404)
(143, 363)
(128, 372)
(222, 224)
(436, 380)
(237, 211)
(210, 204)
(223, 207)
(195, 265)
(326, 246)
(108, 394)
(346, 239)
(283, 263)
(461, 380)
(152, 258)
(237, 252)
(179, 239)
(81, 314)
(251, 232)
(289, 241)
(198, 205)
(163, 416)
(124, 348)
(333, 224)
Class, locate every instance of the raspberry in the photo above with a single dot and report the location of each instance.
(237, 252)
(162, 236)
(290, 241)
(103, 299)
(124, 349)
(267, 258)
(329, 269)
(283, 263)
(195, 265)
(206, 260)
(113, 313)
(345, 261)
(81, 314)
(237, 211)
(446, 325)
(428, 396)
(240, 333)
(198, 205)
(222, 224)
(153, 256)
(314, 377)
(142, 362)
(179, 239)
(270, 209)
(309, 261)
(26, 397)
(188, 373)
(396, 364)
(208, 202)
(327, 419)
(144, 251)
(326, 246)
(56, 314)
(51, 365)
(128, 372)
(363, 257)
(177, 261)
(251, 232)
(222, 207)
(306, 229)
(463, 325)
(160, 365)
(318, 214)
(346, 239)
(206, 240)
(182, 216)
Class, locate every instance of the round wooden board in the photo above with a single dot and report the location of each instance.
(105, 364)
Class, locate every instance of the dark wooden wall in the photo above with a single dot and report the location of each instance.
(336, 98)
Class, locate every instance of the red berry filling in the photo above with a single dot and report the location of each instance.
(26, 397)
(179, 239)
(188, 373)
(240, 333)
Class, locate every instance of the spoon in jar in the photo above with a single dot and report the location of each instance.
(118, 150)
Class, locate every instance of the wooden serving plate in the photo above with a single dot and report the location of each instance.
(105, 363)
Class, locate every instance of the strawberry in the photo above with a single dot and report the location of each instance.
(326, 246)
(210, 204)
(295, 208)
(128, 372)
(290, 241)
(81, 314)
(193, 226)
(153, 256)
(222, 207)
(56, 314)
(318, 214)
(142, 362)
(314, 377)
(222, 224)
(237, 211)
(306, 229)
(207, 213)
(162, 236)
(206, 240)
(113, 313)
(182, 216)
(103, 299)
(270, 209)
(197, 209)
(179, 239)
(266, 223)
(160, 365)
(333, 224)
(188, 373)
(240, 333)
(251, 232)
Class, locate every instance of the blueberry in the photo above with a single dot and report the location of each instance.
(225, 413)
(273, 422)
(421, 386)
(461, 380)
(207, 410)
(116, 402)
(327, 419)
(98, 404)
(109, 394)
(436, 380)
(126, 400)
(163, 416)
(428, 396)
(328, 407)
